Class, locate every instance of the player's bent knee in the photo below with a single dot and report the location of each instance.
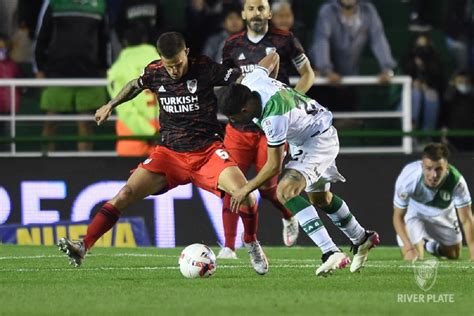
(321, 199)
(286, 193)
(250, 201)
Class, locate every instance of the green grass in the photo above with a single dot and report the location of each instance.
(147, 281)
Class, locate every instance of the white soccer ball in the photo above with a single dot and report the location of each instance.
(197, 261)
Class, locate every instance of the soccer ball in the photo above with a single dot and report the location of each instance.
(197, 261)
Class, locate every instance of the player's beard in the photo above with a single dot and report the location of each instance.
(258, 25)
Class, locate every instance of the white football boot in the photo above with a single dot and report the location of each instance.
(361, 251)
(332, 260)
(226, 253)
(75, 250)
(291, 230)
(257, 257)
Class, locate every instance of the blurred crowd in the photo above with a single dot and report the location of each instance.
(100, 38)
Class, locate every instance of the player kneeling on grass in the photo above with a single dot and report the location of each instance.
(190, 150)
(427, 194)
(287, 115)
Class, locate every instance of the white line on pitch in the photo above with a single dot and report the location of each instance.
(90, 255)
(371, 263)
(278, 266)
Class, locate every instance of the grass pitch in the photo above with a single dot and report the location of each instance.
(147, 281)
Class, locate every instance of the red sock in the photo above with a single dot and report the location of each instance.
(104, 220)
(270, 194)
(249, 217)
(230, 221)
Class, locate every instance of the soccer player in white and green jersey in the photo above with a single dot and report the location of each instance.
(427, 194)
(286, 115)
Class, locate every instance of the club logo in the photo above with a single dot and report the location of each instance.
(425, 273)
(269, 50)
(445, 195)
(192, 85)
(403, 196)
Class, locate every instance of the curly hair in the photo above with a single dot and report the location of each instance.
(231, 99)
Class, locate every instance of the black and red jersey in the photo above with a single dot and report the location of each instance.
(242, 52)
(188, 106)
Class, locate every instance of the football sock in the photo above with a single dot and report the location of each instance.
(339, 213)
(270, 195)
(433, 247)
(104, 220)
(229, 221)
(249, 216)
(312, 225)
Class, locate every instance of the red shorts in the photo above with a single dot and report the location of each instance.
(247, 148)
(201, 167)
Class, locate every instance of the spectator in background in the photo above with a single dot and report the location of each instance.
(342, 30)
(7, 17)
(72, 43)
(284, 19)
(282, 15)
(459, 109)
(456, 28)
(203, 18)
(424, 66)
(419, 17)
(149, 13)
(8, 70)
(22, 45)
(232, 24)
(140, 117)
(22, 38)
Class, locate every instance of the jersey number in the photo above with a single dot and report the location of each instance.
(309, 105)
(222, 154)
(295, 156)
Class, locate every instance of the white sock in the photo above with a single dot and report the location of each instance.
(313, 226)
(432, 247)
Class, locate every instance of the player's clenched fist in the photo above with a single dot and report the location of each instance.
(103, 113)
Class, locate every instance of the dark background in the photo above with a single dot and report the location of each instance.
(368, 192)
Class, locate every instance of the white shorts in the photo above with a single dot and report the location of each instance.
(443, 228)
(315, 159)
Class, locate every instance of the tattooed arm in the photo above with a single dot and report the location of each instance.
(130, 91)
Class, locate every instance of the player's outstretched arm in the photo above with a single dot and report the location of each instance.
(128, 92)
(465, 216)
(409, 250)
(306, 78)
(271, 62)
(271, 168)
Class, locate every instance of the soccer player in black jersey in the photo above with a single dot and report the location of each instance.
(190, 147)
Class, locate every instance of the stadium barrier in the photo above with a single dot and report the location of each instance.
(47, 190)
(404, 114)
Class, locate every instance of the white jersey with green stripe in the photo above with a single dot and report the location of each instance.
(287, 115)
(412, 193)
